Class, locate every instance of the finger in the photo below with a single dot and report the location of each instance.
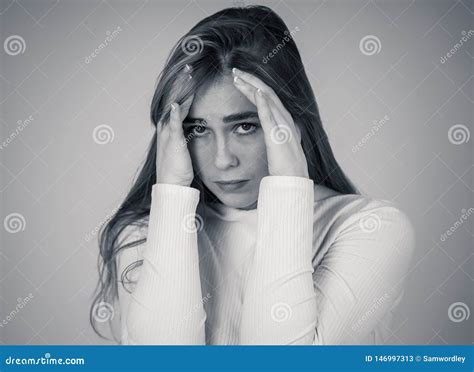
(163, 135)
(257, 83)
(186, 106)
(185, 73)
(277, 115)
(289, 127)
(176, 124)
(249, 91)
(162, 140)
(183, 77)
(264, 113)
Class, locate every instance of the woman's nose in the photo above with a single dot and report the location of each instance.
(224, 157)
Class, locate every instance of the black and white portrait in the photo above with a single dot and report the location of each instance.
(236, 173)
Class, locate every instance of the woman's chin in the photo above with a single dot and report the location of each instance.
(239, 201)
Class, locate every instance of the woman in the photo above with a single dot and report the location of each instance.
(241, 227)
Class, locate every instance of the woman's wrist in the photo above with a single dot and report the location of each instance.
(177, 194)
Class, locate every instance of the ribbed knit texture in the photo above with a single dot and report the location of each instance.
(165, 306)
(308, 266)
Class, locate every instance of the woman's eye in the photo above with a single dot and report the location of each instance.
(246, 128)
(196, 130)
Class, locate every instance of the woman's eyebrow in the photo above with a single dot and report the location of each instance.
(227, 119)
(240, 116)
(190, 120)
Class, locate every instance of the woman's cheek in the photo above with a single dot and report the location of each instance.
(200, 154)
(254, 147)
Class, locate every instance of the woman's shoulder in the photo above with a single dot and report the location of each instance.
(347, 206)
(356, 216)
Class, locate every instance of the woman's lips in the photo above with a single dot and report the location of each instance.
(231, 185)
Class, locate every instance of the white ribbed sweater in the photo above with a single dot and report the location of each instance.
(308, 266)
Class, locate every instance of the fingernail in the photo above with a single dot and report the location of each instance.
(235, 70)
(187, 68)
(259, 92)
(190, 77)
(173, 107)
(237, 80)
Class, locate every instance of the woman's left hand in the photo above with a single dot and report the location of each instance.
(285, 154)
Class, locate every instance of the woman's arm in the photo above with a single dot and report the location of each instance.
(280, 301)
(360, 278)
(166, 306)
(356, 284)
(280, 305)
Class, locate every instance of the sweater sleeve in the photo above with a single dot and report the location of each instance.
(339, 300)
(280, 301)
(165, 306)
(360, 278)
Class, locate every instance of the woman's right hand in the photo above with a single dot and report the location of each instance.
(173, 161)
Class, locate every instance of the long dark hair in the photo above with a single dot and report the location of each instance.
(253, 39)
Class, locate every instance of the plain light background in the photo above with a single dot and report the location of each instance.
(62, 184)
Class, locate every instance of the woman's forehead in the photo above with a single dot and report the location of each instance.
(219, 99)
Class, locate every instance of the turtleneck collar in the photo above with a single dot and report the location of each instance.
(225, 212)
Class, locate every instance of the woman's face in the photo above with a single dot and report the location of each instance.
(226, 143)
